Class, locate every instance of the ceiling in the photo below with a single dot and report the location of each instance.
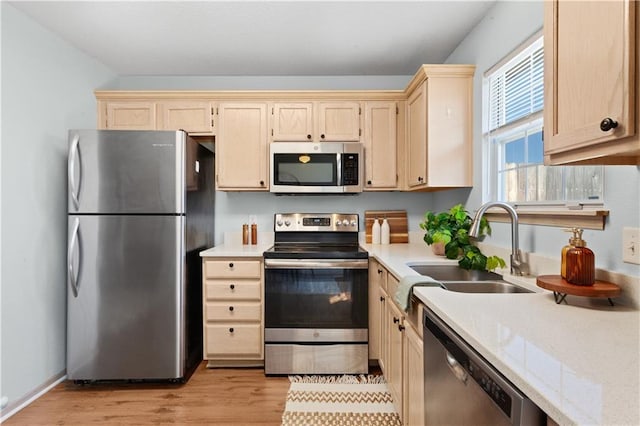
(265, 38)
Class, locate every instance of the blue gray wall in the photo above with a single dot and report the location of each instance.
(504, 27)
(47, 88)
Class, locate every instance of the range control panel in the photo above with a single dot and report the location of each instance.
(315, 222)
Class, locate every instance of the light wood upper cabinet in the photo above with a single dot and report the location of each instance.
(339, 121)
(241, 147)
(292, 121)
(439, 128)
(316, 121)
(591, 80)
(380, 145)
(192, 116)
(127, 115)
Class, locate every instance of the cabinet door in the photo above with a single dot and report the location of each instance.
(413, 378)
(241, 147)
(339, 121)
(292, 121)
(191, 116)
(417, 137)
(380, 146)
(589, 73)
(129, 116)
(384, 331)
(375, 304)
(395, 361)
(449, 131)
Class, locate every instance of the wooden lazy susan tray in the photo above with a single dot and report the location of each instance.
(561, 288)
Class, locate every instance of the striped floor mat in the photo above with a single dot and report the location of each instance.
(339, 400)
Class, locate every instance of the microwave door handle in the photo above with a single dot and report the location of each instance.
(339, 171)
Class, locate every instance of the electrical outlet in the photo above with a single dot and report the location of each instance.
(631, 245)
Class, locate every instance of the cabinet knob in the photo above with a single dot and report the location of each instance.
(230, 264)
(382, 298)
(231, 330)
(322, 136)
(608, 124)
(395, 320)
(232, 286)
(401, 327)
(368, 182)
(420, 179)
(309, 137)
(261, 183)
(231, 308)
(379, 271)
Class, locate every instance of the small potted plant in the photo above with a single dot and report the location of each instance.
(448, 234)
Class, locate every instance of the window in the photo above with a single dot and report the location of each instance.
(513, 138)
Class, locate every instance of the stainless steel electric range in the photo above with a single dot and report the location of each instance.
(316, 296)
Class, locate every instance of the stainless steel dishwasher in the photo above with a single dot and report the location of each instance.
(461, 388)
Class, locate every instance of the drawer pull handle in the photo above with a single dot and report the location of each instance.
(395, 320)
(231, 330)
(382, 298)
(232, 286)
(230, 264)
(231, 308)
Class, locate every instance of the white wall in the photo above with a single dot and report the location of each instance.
(506, 25)
(47, 88)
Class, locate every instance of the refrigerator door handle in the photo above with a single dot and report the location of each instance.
(73, 275)
(73, 155)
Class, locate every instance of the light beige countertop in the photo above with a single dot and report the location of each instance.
(579, 362)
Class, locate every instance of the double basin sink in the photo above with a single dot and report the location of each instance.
(454, 278)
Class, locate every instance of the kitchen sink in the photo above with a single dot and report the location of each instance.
(454, 278)
(483, 287)
(454, 273)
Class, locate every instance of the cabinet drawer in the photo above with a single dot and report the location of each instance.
(232, 268)
(233, 290)
(392, 285)
(233, 311)
(234, 339)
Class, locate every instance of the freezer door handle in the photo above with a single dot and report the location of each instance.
(74, 155)
(73, 274)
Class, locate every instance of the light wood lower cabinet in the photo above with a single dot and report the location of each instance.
(413, 373)
(233, 312)
(397, 341)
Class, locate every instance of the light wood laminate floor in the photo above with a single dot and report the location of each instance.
(219, 396)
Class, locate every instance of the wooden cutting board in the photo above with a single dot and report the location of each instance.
(398, 227)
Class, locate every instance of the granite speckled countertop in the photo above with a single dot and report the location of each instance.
(579, 362)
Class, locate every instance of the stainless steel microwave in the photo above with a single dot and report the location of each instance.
(316, 168)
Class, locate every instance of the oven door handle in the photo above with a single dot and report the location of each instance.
(316, 263)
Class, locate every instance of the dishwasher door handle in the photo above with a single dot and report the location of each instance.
(456, 368)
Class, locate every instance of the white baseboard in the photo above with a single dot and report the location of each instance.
(15, 406)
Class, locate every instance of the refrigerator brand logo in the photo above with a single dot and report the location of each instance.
(162, 144)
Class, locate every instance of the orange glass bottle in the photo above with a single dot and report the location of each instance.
(581, 263)
(565, 249)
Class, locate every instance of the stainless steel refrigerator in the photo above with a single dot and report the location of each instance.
(140, 209)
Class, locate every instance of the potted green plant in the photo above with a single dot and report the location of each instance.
(451, 230)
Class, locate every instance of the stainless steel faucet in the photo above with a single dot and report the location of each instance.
(518, 266)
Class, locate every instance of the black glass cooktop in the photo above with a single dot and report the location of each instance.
(311, 251)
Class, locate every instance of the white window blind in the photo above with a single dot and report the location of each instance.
(513, 123)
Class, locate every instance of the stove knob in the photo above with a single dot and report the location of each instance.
(338, 222)
(279, 223)
(287, 223)
(353, 222)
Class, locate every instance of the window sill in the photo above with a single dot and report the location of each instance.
(587, 218)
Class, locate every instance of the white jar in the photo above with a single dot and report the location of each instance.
(375, 232)
(385, 237)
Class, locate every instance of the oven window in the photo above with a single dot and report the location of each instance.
(316, 298)
(305, 169)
